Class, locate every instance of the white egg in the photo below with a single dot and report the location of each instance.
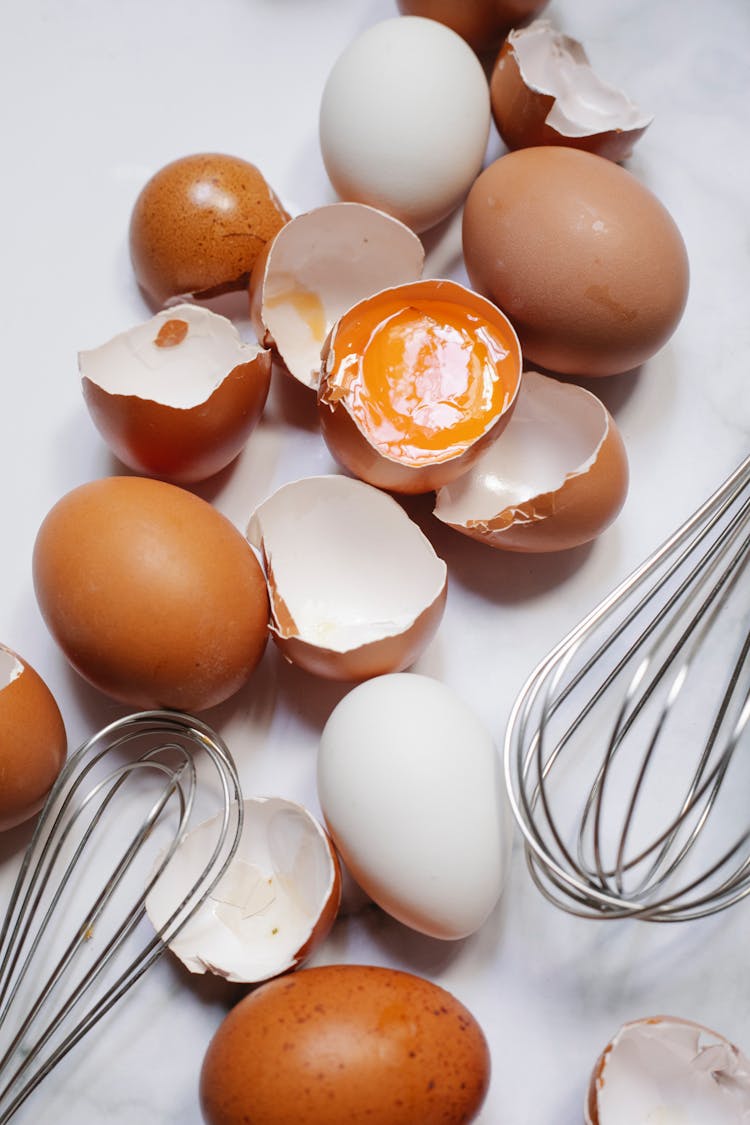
(404, 120)
(410, 785)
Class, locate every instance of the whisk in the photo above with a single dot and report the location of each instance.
(74, 939)
(622, 751)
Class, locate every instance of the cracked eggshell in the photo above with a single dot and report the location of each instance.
(178, 396)
(273, 906)
(199, 224)
(555, 479)
(669, 1069)
(416, 380)
(356, 589)
(316, 267)
(545, 92)
(33, 743)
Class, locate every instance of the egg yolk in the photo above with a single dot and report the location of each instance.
(423, 378)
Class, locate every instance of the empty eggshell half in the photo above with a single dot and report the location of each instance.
(554, 479)
(273, 906)
(316, 267)
(416, 380)
(356, 589)
(668, 1069)
(178, 396)
(545, 92)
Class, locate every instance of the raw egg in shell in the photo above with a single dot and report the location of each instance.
(178, 396)
(272, 907)
(356, 589)
(554, 479)
(482, 23)
(585, 261)
(416, 380)
(33, 743)
(545, 92)
(199, 224)
(316, 267)
(345, 1043)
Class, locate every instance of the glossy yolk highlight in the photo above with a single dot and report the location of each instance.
(423, 380)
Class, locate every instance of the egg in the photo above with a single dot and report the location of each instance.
(356, 589)
(410, 785)
(666, 1069)
(482, 23)
(33, 742)
(274, 904)
(154, 597)
(555, 479)
(198, 225)
(585, 261)
(544, 91)
(416, 381)
(405, 119)
(346, 1043)
(316, 267)
(178, 396)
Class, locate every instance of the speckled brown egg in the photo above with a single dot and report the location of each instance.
(585, 261)
(199, 224)
(152, 594)
(342, 1045)
(32, 740)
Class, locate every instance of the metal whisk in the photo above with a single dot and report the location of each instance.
(74, 939)
(623, 757)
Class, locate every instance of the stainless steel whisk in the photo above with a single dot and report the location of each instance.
(74, 939)
(622, 752)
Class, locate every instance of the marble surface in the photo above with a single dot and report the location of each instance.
(98, 95)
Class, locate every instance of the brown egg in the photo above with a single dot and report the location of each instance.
(482, 23)
(346, 1043)
(585, 261)
(154, 596)
(199, 224)
(32, 740)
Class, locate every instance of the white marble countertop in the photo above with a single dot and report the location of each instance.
(98, 95)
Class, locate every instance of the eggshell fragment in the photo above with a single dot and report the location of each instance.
(154, 596)
(342, 1044)
(356, 589)
(410, 786)
(585, 261)
(272, 907)
(316, 267)
(416, 380)
(545, 92)
(199, 224)
(482, 23)
(178, 396)
(555, 479)
(404, 120)
(33, 742)
(671, 1070)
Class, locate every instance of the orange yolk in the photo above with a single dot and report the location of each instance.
(423, 378)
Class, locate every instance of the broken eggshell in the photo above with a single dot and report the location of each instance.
(666, 1068)
(416, 381)
(545, 92)
(274, 904)
(178, 396)
(555, 479)
(316, 267)
(356, 589)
